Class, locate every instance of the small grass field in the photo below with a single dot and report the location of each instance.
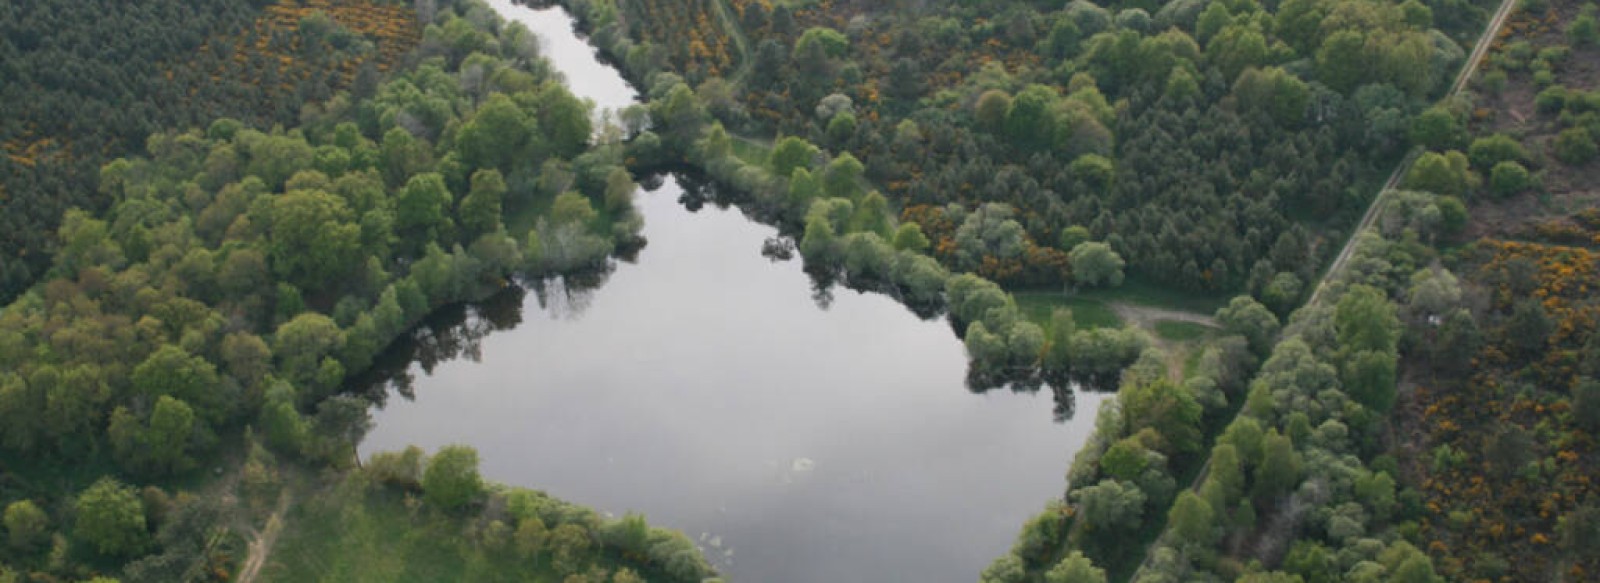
(1134, 291)
(1175, 331)
(348, 533)
(1087, 313)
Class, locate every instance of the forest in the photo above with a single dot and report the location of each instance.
(1216, 147)
(87, 82)
(1302, 413)
(274, 193)
(241, 273)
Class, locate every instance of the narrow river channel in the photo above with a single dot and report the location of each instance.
(704, 386)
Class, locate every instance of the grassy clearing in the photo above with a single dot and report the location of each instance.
(1175, 331)
(750, 152)
(1134, 291)
(351, 533)
(1087, 313)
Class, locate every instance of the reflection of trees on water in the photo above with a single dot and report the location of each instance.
(457, 331)
(697, 191)
(567, 297)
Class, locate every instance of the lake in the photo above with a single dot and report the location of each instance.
(799, 435)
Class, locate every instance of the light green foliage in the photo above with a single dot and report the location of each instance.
(315, 241)
(1095, 264)
(481, 209)
(301, 344)
(1029, 124)
(1584, 31)
(497, 135)
(909, 237)
(1125, 460)
(282, 426)
(1452, 214)
(1006, 569)
(166, 441)
(989, 231)
(872, 215)
(830, 42)
(569, 548)
(1075, 568)
(841, 128)
(1236, 48)
(26, 525)
(451, 479)
(817, 244)
(1508, 178)
(972, 298)
(1093, 169)
(1441, 174)
(803, 189)
(1575, 146)
(1376, 491)
(531, 536)
(1433, 292)
(1246, 317)
(791, 153)
(1279, 93)
(1369, 377)
(991, 109)
(842, 178)
(1283, 293)
(1166, 408)
(110, 516)
(1042, 534)
(564, 122)
(1279, 471)
(1073, 236)
(422, 203)
(1366, 320)
(1439, 129)
(1192, 520)
(1110, 506)
(1224, 483)
(1313, 562)
(1487, 151)
(171, 370)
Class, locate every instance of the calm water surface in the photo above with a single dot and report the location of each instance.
(704, 387)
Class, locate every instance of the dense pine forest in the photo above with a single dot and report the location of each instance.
(1214, 146)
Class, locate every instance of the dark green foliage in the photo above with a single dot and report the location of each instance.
(1575, 146)
(1508, 178)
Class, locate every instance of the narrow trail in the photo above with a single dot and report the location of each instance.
(1486, 40)
(1147, 316)
(1507, 7)
(746, 60)
(261, 542)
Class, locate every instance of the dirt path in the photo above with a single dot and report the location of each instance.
(1484, 42)
(1382, 201)
(1147, 316)
(261, 542)
(746, 61)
